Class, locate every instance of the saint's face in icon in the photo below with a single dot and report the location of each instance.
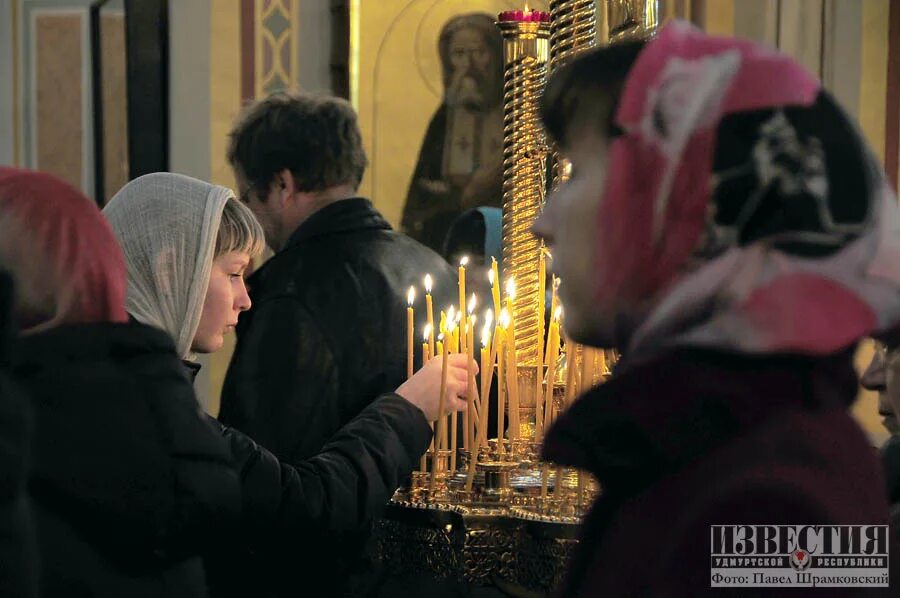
(472, 70)
(471, 59)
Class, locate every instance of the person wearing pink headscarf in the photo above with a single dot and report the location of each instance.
(129, 484)
(726, 229)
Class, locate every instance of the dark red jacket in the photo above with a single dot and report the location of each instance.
(696, 438)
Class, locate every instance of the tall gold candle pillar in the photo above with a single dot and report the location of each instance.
(631, 19)
(526, 56)
(573, 29)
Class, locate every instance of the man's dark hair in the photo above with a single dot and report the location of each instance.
(316, 137)
(586, 91)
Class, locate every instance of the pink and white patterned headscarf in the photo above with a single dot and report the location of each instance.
(745, 200)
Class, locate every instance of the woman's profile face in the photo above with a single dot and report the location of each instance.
(226, 298)
(568, 226)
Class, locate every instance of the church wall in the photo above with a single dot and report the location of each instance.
(9, 89)
(45, 99)
(190, 111)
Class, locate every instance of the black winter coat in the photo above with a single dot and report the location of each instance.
(17, 550)
(130, 483)
(291, 513)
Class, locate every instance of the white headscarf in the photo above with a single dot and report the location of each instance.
(167, 225)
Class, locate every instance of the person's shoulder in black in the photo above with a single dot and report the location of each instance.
(129, 482)
(17, 549)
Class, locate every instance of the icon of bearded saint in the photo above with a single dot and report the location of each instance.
(460, 162)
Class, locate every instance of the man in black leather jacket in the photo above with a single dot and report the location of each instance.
(327, 331)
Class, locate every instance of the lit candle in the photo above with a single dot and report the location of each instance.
(441, 433)
(488, 324)
(494, 278)
(510, 301)
(487, 376)
(512, 372)
(502, 381)
(426, 348)
(410, 298)
(469, 418)
(538, 379)
(426, 357)
(480, 437)
(552, 357)
(429, 311)
(454, 415)
(462, 294)
(445, 351)
(524, 16)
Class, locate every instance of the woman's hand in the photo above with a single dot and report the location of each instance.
(424, 388)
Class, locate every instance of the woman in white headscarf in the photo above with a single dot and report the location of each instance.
(187, 244)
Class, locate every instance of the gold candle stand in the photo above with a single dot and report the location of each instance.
(526, 56)
(631, 19)
(511, 526)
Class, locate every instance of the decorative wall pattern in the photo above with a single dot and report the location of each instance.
(276, 41)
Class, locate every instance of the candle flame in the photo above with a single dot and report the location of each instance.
(491, 276)
(558, 313)
(464, 261)
(458, 317)
(441, 337)
(473, 301)
(511, 288)
(504, 318)
(526, 5)
(451, 313)
(428, 330)
(485, 335)
(411, 296)
(474, 319)
(428, 283)
(488, 317)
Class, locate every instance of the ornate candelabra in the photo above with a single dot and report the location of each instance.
(501, 515)
(632, 19)
(526, 56)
